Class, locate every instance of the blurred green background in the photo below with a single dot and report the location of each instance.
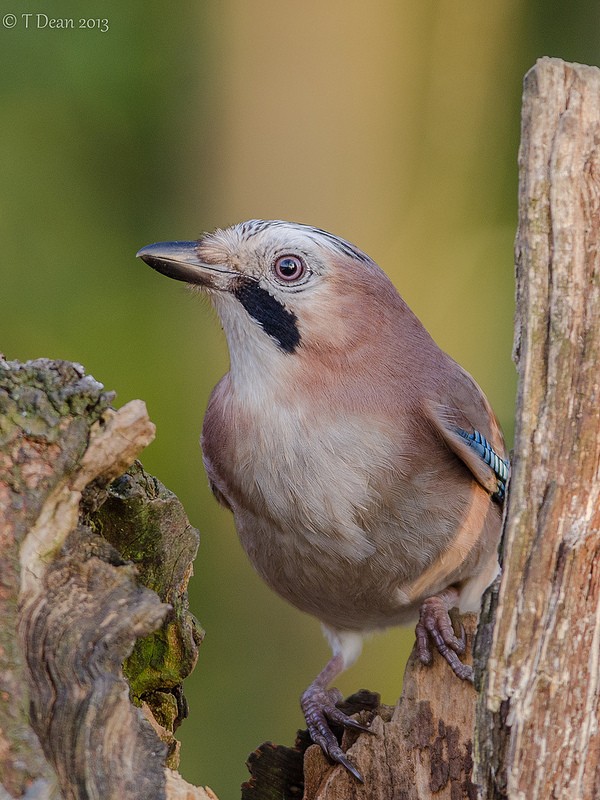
(394, 124)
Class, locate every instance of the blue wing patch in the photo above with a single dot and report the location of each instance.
(486, 452)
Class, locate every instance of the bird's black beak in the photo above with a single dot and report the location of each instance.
(181, 261)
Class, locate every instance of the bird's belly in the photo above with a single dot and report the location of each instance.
(373, 582)
(320, 576)
(338, 522)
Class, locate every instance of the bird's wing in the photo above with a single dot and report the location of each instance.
(468, 426)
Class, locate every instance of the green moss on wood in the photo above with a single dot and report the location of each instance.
(148, 525)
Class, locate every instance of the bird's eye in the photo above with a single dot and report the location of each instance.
(289, 268)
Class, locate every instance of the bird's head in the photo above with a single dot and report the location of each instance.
(285, 292)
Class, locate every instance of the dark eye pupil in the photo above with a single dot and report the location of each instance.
(289, 267)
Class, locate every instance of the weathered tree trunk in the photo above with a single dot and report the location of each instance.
(73, 604)
(538, 728)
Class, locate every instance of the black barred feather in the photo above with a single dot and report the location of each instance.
(500, 466)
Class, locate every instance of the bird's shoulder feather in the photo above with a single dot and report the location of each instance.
(464, 420)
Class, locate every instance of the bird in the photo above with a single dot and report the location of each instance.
(365, 469)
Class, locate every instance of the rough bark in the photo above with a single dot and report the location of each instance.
(74, 607)
(420, 749)
(537, 729)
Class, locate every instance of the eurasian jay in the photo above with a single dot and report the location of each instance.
(364, 467)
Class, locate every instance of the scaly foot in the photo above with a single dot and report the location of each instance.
(435, 624)
(319, 707)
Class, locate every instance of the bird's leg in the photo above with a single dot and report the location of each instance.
(435, 624)
(319, 707)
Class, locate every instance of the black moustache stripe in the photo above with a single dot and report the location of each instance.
(274, 318)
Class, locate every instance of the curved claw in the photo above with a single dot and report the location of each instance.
(350, 767)
(335, 753)
(319, 709)
(435, 624)
(356, 726)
